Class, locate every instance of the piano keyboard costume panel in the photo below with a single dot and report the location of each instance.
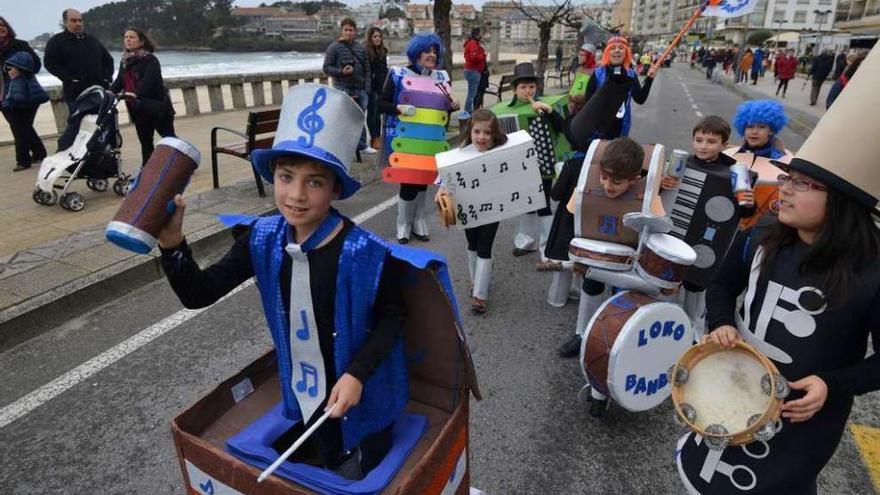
(411, 139)
(766, 189)
(494, 185)
(704, 216)
(552, 146)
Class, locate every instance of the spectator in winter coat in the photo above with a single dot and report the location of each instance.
(77, 58)
(22, 96)
(786, 66)
(474, 66)
(757, 65)
(839, 64)
(851, 68)
(819, 71)
(744, 66)
(377, 53)
(347, 63)
(30, 150)
(140, 79)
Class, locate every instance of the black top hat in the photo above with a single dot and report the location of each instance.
(524, 72)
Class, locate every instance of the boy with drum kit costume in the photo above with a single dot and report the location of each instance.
(335, 313)
(544, 119)
(811, 287)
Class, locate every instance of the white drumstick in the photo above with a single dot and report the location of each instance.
(305, 436)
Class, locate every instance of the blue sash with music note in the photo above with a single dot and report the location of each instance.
(309, 382)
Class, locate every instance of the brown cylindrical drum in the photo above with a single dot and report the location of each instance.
(150, 202)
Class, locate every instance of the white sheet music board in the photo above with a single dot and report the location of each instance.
(494, 185)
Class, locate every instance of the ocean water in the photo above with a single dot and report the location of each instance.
(189, 64)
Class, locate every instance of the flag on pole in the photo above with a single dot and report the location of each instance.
(729, 8)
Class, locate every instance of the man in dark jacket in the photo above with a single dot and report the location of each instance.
(819, 71)
(839, 65)
(77, 58)
(347, 63)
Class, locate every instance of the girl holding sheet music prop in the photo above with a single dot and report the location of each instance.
(484, 134)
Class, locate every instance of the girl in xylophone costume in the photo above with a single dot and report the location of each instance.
(811, 286)
(425, 55)
(544, 119)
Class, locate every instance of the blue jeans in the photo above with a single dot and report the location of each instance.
(473, 82)
(362, 98)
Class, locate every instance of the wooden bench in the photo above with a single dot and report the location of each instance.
(559, 76)
(260, 132)
(505, 84)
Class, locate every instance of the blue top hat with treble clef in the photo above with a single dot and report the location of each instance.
(318, 122)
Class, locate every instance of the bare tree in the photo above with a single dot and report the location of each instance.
(559, 12)
(443, 28)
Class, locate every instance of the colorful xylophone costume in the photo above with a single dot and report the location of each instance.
(416, 103)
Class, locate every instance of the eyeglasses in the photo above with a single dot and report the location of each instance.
(799, 185)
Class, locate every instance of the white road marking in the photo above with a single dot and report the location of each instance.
(695, 107)
(82, 372)
(699, 113)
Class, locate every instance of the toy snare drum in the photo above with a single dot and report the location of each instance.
(630, 344)
(664, 260)
(730, 396)
(601, 254)
(150, 201)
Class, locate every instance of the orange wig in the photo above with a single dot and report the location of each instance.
(627, 57)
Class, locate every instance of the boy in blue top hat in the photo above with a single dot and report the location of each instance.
(334, 312)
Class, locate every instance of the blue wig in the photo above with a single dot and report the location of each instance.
(769, 112)
(421, 43)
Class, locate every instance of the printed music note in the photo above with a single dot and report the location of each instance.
(303, 333)
(307, 371)
(484, 168)
(309, 121)
(501, 207)
(541, 187)
(530, 152)
(524, 166)
(514, 196)
(472, 211)
(460, 180)
(502, 167)
(530, 200)
(486, 207)
(608, 224)
(462, 216)
(475, 183)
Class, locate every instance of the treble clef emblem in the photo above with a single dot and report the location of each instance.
(309, 121)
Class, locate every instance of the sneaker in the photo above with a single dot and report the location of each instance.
(598, 407)
(478, 306)
(403, 240)
(419, 237)
(522, 252)
(369, 150)
(19, 168)
(571, 348)
(548, 266)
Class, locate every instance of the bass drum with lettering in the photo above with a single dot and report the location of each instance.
(630, 344)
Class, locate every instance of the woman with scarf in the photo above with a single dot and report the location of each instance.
(377, 53)
(28, 146)
(617, 59)
(425, 55)
(140, 79)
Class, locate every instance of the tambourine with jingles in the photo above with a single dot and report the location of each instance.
(730, 396)
(445, 207)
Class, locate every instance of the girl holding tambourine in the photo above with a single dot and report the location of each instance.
(811, 286)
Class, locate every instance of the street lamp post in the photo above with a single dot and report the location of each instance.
(779, 31)
(820, 19)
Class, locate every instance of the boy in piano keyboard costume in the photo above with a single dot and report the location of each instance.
(702, 214)
(334, 312)
(544, 119)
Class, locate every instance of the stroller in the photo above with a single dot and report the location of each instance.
(89, 149)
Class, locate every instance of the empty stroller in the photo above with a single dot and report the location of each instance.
(89, 150)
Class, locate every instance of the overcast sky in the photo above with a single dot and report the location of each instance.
(34, 17)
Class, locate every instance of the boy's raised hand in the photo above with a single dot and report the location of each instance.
(345, 394)
(669, 182)
(171, 234)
